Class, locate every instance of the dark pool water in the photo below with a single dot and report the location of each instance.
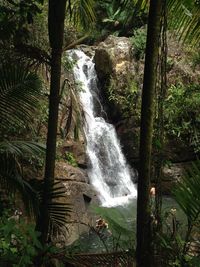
(121, 230)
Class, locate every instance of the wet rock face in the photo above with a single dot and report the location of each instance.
(66, 172)
(80, 195)
(113, 58)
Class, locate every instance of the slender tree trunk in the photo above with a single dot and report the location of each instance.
(56, 18)
(146, 132)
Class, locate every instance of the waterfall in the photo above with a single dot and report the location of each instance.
(108, 170)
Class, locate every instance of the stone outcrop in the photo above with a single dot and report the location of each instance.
(171, 174)
(80, 195)
(115, 68)
(113, 57)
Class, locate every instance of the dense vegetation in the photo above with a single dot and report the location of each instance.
(32, 92)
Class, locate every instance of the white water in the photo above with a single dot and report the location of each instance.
(108, 170)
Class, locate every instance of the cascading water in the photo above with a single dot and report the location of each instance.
(108, 170)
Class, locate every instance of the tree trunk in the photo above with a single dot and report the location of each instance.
(147, 114)
(56, 16)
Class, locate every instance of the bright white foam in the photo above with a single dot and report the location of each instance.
(108, 171)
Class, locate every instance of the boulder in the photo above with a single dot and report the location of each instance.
(66, 172)
(80, 195)
(171, 174)
(113, 58)
(115, 69)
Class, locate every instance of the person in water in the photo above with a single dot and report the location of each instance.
(153, 191)
(101, 224)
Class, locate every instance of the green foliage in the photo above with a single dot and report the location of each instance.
(178, 241)
(182, 109)
(187, 193)
(70, 159)
(72, 105)
(18, 242)
(82, 13)
(68, 63)
(12, 155)
(118, 17)
(38, 34)
(175, 242)
(15, 16)
(20, 90)
(124, 99)
(170, 240)
(184, 17)
(139, 42)
(169, 64)
(59, 210)
(196, 58)
(114, 15)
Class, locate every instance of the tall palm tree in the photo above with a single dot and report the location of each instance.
(185, 19)
(146, 132)
(56, 17)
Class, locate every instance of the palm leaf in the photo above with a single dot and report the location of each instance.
(21, 148)
(59, 211)
(11, 174)
(82, 13)
(75, 110)
(19, 95)
(187, 193)
(12, 181)
(184, 16)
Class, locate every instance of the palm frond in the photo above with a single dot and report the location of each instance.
(184, 17)
(187, 192)
(12, 181)
(82, 13)
(19, 95)
(74, 112)
(11, 174)
(21, 148)
(59, 210)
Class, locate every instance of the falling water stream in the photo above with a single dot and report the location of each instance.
(108, 170)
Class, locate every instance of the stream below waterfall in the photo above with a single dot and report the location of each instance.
(108, 170)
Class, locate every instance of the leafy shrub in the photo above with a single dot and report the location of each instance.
(18, 242)
(70, 159)
(126, 99)
(179, 241)
(182, 109)
(139, 42)
(196, 59)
